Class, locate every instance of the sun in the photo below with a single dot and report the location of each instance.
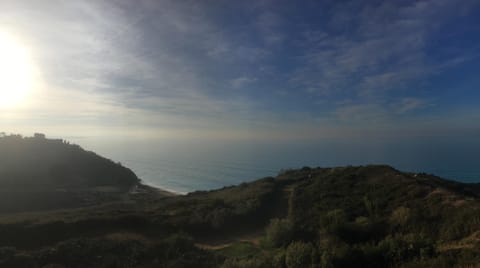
(16, 71)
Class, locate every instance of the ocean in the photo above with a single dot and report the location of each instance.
(186, 166)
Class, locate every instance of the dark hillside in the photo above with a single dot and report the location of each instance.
(39, 173)
(367, 216)
(41, 162)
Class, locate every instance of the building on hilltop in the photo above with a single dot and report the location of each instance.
(39, 136)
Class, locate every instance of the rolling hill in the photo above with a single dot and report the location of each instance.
(38, 173)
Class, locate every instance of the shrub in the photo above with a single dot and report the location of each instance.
(255, 262)
(279, 259)
(400, 216)
(300, 255)
(333, 219)
(400, 248)
(279, 232)
(326, 260)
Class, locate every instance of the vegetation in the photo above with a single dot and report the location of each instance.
(279, 233)
(368, 216)
(37, 173)
(42, 162)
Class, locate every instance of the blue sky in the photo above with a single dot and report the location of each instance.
(243, 70)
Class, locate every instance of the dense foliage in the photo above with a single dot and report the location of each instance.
(37, 173)
(371, 216)
(45, 163)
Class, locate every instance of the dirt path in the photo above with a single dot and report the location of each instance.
(215, 244)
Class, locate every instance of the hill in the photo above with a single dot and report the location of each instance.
(39, 173)
(366, 216)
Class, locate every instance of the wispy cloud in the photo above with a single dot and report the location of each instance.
(269, 25)
(374, 47)
(243, 81)
(267, 65)
(407, 105)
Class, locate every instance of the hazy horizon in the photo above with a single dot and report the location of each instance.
(185, 166)
(393, 82)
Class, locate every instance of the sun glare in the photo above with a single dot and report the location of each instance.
(16, 71)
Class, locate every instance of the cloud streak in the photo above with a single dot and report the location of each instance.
(229, 67)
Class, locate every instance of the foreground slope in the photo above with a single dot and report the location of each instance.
(368, 216)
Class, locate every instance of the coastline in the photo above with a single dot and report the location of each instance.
(142, 188)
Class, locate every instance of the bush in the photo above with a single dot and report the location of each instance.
(400, 216)
(279, 232)
(279, 259)
(326, 260)
(300, 255)
(333, 220)
(400, 248)
(255, 262)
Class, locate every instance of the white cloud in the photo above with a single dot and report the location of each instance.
(241, 82)
(407, 105)
(361, 113)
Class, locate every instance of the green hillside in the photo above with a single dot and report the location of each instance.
(39, 173)
(42, 162)
(367, 216)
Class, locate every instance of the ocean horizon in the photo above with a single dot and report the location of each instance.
(183, 167)
(210, 175)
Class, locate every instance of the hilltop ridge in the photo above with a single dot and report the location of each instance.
(38, 173)
(38, 161)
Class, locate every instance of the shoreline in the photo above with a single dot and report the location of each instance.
(141, 187)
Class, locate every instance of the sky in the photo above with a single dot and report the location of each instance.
(243, 70)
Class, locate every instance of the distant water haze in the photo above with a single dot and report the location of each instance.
(185, 166)
(219, 92)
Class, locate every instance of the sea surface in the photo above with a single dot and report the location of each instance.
(186, 166)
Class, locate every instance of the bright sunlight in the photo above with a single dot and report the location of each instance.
(16, 71)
